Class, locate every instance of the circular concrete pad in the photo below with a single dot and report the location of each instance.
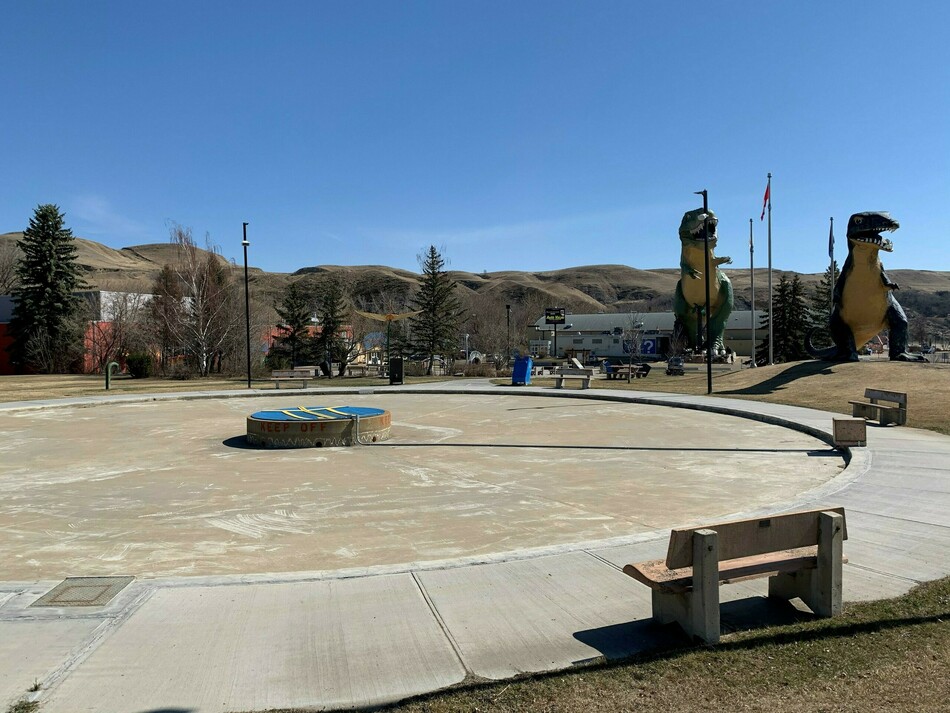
(171, 488)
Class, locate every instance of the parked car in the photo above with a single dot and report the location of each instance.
(674, 366)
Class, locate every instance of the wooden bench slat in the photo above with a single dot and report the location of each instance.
(657, 575)
(897, 397)
(745, 538)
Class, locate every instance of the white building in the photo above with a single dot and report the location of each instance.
(591, 337)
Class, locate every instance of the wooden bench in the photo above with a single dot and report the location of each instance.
(585, 375)
(800, 553)
(301, 375)
(357, 369)
(894, 411)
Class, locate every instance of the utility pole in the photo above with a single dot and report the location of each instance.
(247, 308)
(705, 196)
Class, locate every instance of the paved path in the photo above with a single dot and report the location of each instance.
(359, 638)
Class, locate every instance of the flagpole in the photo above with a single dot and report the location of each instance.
(768, 192)
(752, 280)
(831, 256)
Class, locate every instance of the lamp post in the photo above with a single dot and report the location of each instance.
(508, 340)
(247, 308)
(706, 279)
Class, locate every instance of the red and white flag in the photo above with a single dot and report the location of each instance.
(765, 200)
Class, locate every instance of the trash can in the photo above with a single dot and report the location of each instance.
(395, 371)
(521, 372)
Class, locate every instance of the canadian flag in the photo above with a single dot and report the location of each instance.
(765, 200)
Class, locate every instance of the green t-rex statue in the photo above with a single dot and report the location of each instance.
(863, 302)
(689, 300)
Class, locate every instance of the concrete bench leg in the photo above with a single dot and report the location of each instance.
(696, 611)
(819, 588)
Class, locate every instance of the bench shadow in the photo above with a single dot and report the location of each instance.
(779, 381)
(648, 641)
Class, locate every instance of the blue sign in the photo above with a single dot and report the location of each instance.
(648, 346)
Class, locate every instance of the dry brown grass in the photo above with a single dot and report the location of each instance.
(57, 386)
(820, 385)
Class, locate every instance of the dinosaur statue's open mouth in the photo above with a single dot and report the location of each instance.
(874, 240)
(697, 232)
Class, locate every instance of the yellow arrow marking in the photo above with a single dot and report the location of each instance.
(293, 415)
(314, 413)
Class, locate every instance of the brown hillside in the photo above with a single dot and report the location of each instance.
(594, 288)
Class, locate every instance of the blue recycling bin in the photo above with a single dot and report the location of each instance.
(521, 372)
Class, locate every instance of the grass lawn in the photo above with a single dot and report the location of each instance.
(891, 655)
(814, 384)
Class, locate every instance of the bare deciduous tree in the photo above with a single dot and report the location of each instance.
(9, 256)
(210, 313)
(119, 330)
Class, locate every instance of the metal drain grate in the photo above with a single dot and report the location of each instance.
(83, 592)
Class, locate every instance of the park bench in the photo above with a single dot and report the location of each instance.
(584, 375)
(800, 553)
(894, 411)
(301, 375)
(357, 369)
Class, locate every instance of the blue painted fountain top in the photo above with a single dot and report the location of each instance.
(317, 413)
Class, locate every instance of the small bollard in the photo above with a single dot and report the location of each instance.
(109, 373)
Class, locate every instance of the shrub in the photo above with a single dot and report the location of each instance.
(139, 365)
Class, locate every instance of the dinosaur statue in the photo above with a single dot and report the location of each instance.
(862, 302)
(690, 296)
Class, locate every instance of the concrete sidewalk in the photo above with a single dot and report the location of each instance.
(358, 638)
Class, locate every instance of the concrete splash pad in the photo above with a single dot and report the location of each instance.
(318, 426)
(170, 488)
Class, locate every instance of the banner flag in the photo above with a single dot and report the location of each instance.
(765, 200)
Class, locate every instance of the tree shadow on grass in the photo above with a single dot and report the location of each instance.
(782, 379)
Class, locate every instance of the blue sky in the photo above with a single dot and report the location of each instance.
(512, 135)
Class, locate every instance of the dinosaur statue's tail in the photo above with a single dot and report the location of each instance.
(827, 354)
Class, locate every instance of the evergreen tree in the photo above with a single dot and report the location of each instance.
(435, 330)
(331, 342)
(294, 312)
(791, 320)
(47, 324)
(822, 304)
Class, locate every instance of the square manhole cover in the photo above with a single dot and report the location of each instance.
(83, 592)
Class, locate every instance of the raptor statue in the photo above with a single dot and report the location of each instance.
(690, 297)
(863, 302)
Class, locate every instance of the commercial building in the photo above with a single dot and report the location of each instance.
(593, 337)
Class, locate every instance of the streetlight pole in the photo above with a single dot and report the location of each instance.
(508, 341)
(705, 196)
(247, 308)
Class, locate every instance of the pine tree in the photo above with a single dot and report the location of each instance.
(822, 304)
(435, 330)
(334, 314)
(47, 324)
(791, 320)
(294, 313)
